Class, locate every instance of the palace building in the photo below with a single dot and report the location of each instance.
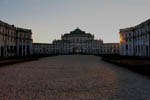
(77, 41)
(80, 42)
(135, 41)
(14, 41)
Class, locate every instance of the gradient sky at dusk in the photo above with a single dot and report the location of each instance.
(48, 19)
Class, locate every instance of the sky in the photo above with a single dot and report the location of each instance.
(49, 19)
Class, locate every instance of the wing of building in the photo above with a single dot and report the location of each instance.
(14, 41)
(43, 49)
(135, 41)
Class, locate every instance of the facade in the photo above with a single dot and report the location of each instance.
(7, 40)
(110, 48)
(79, 41)
(24, 42)
(14, 41)
(135, 41)
(43, 49)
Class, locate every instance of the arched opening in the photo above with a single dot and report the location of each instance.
(77, 50)
(2, 51)
(28, 50)
(146, 50)
(20, 50)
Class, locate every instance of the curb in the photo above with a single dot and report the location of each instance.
(17, 61)
(142, 69)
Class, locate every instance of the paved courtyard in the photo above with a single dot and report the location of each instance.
(73, 77)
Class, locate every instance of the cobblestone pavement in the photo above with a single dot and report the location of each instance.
(73, 77)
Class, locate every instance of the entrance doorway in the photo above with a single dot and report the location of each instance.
(77, 50)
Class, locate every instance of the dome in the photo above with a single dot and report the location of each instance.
(77, 31)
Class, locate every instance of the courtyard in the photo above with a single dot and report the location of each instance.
(71, 77)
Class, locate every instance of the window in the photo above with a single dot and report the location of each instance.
(126, 47)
